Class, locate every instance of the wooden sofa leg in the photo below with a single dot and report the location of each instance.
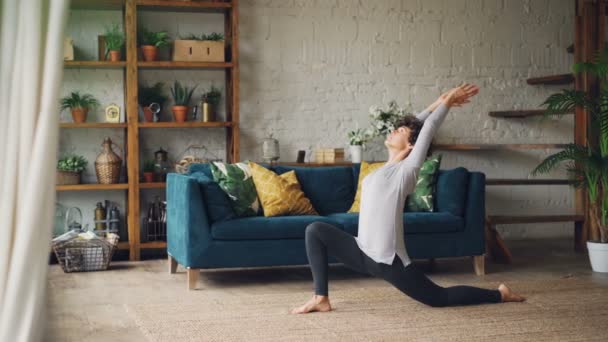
(479, 264)
(172, 265)
(192, 277)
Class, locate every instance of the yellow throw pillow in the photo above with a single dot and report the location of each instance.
(366, 169)
(280, 194)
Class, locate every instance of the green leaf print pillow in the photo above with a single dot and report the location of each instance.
(422, 197)
(236, 180)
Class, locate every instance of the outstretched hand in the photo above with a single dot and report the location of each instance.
(456, 97)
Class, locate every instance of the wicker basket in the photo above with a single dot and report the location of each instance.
(78, 255)
(194, 154)
(68, 177)
(108, 164)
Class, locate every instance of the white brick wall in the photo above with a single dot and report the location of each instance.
(310, 69)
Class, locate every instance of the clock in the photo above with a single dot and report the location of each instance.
(113, 113)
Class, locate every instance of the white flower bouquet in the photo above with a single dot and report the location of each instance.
(384, 119)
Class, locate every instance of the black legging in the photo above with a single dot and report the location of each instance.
(323, 238)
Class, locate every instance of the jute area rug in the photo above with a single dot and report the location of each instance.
(557, 310)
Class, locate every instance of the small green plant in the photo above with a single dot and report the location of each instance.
(181, 94)
(216, 37)
(147, 95)
(148, 166)
(360, 136)
(212, 96)
(115, 38)
(73, 163)
(75, 100)
(158, 39)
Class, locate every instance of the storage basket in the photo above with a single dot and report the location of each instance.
(194, 154)
(78, 255)
(68, 177)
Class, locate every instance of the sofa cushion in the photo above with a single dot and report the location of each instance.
(424, 192)
(350, 221)
(236, 180)
(451, 191)
(330, 189)
(266, 228)
(217, 202)
(365, 169)
(431, 222)
(280, 195)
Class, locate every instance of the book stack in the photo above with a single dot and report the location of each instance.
(329, 155)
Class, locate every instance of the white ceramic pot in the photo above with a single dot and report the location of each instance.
(355, 153)
(598, 255)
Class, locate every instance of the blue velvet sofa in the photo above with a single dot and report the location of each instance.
(203, 231)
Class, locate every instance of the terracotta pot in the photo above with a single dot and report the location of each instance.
(148, 114)
(180, 113)
(79, 115)
(114, 56)
(149, 177)
(150, 52)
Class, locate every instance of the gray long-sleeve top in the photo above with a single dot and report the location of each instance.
(384, 192)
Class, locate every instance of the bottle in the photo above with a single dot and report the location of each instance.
(100, 215)
(114, 220)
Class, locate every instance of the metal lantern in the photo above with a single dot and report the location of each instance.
(161, 164)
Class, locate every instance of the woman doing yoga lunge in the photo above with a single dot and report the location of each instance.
(379, 248)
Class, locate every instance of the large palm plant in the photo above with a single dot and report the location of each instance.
(590, 170)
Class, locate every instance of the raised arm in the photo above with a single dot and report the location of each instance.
(425, 137)
(422, 116)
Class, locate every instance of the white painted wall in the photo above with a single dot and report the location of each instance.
(311, 69)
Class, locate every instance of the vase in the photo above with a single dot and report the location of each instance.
(598, 256)
(79, 115)
(148, 114)
(150, 52)
(355, 153)
(107, 164)
(180, 113)
(114, 56)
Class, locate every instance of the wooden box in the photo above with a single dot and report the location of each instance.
(198, 51)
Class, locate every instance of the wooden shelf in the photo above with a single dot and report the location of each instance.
(90, 187)
(466, 147)
(519, 113)
(97, 4)
(184, 124)
(183, 6)
(93, 125)
(184, 65)
(154, 185)
(124, 245)
(153, 245)
(514, 219)
(497, 181)
(550, 80)
(94, 64)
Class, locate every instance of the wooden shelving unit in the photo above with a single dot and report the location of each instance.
(132, 66)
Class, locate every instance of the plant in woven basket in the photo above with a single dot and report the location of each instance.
(216, 37)
(69, 169)
(148, 170)
(79, 105)
(150, 41)
(181, 98)
(587, 165)
(115, 40)
(148, 95)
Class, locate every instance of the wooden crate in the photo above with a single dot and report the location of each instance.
(329, 155)
(198, 51)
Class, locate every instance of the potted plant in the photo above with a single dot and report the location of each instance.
(69, 169)
(149, 171)
(181, 98)
(211, 101)
(79, 105)
(150, 42)
(357, 140)
(148, 95)
(591, 168)
(115, 40)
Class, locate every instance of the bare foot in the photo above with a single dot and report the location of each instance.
(508, 295)
(316, 303)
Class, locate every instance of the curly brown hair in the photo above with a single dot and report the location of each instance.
(413, 123)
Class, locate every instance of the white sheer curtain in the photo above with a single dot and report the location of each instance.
(31, 58)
